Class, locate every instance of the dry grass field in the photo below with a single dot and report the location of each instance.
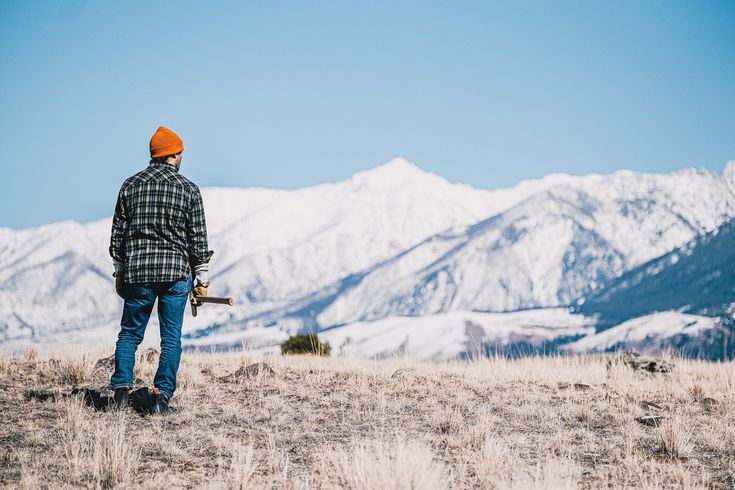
(345, 423)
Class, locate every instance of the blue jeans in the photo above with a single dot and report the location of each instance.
(139, 298)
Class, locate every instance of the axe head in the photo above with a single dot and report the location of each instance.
(194, 304)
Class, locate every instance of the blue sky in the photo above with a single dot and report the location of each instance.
(289, 94)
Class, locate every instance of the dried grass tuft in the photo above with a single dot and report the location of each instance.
(675, 438)
(72, 368)
(388, 465)
(114, 458)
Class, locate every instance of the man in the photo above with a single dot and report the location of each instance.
(158, 241)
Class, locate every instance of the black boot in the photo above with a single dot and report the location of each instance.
(121, 399)
(160, 403)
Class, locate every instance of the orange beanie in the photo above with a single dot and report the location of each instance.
(165, 142)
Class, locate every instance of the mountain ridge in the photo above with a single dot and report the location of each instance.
(386, 242)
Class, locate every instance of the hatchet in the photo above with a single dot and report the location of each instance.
(200, 300)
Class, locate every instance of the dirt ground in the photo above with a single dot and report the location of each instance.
(310, 422)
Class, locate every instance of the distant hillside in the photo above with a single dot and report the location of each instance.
(698, 278)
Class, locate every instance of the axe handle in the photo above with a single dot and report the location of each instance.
(216, 299)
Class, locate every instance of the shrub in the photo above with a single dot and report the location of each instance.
(305, 344)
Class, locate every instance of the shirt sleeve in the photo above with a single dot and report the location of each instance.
(199, 252)
(119, 229)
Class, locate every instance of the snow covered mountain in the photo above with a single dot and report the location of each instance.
(300, 241)
(545, 251)
(682, 301)
(55, 278)
(437, 337)
(271, 246)
(460, 334)
(693, 335)
(696, 278)
(391, 242)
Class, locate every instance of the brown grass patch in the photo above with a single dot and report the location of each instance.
(335, 422)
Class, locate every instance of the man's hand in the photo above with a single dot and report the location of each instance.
(200, 289)
(120, 284)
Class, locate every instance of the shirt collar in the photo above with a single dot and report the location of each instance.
(165, 166)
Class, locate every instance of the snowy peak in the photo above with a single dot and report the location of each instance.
(729, 175)
(396, 172)
(399, 166)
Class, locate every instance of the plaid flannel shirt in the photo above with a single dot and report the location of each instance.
(159, 233)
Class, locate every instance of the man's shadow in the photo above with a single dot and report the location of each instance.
(141, 399)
